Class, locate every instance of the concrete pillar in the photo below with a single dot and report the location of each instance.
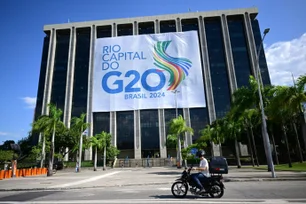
(48, 77)
(49, 73)
(188, 136)
(228, 55)
(207, 80)
(250, 43)
(162, 133)
(70, 80)
(89, 119)
(113, 127)
(137, 124)
(112, 114)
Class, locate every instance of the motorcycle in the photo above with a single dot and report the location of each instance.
(213, 186)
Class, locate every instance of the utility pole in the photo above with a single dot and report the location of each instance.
(265, 134)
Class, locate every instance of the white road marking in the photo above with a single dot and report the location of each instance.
(164, 189)
(193, 201)
(85, 180)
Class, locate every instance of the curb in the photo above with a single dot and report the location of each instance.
(156, 183)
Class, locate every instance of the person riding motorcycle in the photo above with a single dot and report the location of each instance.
(203, 173)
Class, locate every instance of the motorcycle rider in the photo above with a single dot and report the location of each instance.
(203, 173)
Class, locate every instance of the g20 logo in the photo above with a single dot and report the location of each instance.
(120, 85)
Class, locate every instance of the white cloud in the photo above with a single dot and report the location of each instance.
(286, 57)
(30, 101)
(3, 133)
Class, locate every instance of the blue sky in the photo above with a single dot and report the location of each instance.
(22, 35)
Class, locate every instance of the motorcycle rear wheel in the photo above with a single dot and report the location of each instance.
(216, 191)
(178, 192)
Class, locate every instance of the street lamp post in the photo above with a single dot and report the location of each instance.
(263, 117)
(179, 146)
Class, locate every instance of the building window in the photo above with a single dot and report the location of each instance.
(146, 28)
(199, 119)
(125, 130)
(149, 132)
(100, 122)
(239, 49)
(167, 26)
(104, 31)
(124, 29)
(60, 69)
(81, 67)
(217, 64)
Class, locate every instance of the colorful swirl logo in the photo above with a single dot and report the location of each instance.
(176, 67)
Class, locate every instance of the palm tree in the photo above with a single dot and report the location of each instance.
(97, 143)
(47, 124)
(280, 113)
(178, 127)
(79, 124)
(233, 128)
(218, 133)
(106, 139)
(207, 135)
(250, 118)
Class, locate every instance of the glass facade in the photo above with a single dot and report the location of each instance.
(167, 26)
(124, 29)
(199, 119)
(81, 67)
(262, 57)
(101, 122)
(146, 28)
(125, 130)
(149, 132)
(60, 68)
(198, 116)
(239, 49)
(104, 31)
(217, 64)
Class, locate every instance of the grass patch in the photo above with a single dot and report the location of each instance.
(299, 167)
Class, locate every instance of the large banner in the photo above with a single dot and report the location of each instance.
(148, 72)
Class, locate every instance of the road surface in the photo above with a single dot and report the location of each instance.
(235, 192)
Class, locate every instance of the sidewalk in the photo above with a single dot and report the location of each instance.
(130, 177)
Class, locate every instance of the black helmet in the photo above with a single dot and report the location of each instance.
(201, 153)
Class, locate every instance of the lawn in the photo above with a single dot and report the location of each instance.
(300, 167)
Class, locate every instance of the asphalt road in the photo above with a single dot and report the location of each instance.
(235, 192)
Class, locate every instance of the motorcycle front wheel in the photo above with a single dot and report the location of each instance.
(179, 189)
(216, 191)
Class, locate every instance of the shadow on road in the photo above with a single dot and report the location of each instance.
(171, 196)
(27, 196)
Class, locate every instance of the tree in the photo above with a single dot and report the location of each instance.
(233, 129)
(280, 113)
(250, 118)
(97, 143)
(7, 155)
(47, 124)
(79, 124)
(106, 138)
(178, 127)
